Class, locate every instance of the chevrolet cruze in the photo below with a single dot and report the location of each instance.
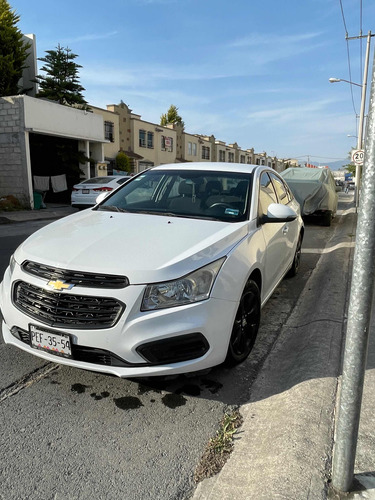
(167, 274)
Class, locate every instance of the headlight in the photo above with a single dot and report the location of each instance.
(12, 264)
(194, 287)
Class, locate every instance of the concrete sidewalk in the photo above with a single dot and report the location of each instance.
(53, 211)
(284, 447)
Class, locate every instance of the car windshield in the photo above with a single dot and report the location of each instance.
(182, 193)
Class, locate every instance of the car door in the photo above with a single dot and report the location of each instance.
(275, 235)
(290, 230)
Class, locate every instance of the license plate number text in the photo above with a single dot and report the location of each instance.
(49, 341)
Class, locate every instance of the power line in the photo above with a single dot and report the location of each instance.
(360, 34)
(343, 17)
(348, 54)
(324, 157)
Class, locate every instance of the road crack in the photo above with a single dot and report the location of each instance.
(27, 381)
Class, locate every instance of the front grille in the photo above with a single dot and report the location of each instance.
(77, 278)
(66, 310)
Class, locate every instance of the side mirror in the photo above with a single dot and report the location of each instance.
(279, 213)
(101, 197)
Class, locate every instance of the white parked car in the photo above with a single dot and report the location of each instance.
(85, 193)
(166, 275)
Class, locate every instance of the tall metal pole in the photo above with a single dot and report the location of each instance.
(361, 120)
(359, 316)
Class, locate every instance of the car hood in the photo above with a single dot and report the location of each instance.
(145, 248)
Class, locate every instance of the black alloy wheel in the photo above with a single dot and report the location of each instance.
(245, 326)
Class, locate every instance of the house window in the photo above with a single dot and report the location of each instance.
(109, 133)
(205, 153)
(190, 148)
(221, 155)
(150, 140)
(166, 143)
(242, 159)
(194, 149)
(258, 161)
(142, 138)
(231, 157)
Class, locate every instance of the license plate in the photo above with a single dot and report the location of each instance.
(85, 191)
(49, 341)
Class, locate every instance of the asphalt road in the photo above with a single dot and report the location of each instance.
(71, 434)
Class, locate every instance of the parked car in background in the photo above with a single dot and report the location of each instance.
(315, 190)
(165, 275)
(85, 193)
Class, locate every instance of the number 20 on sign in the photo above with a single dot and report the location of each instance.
(358, 156)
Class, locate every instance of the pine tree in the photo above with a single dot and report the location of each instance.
(171, 116)
(61, 82)
(13, 51)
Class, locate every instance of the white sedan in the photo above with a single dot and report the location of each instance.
(166, 275)
(85, 193)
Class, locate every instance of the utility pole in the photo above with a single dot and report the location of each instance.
(361, 115)
(359, 315)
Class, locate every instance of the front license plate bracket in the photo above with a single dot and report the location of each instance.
(46, 340)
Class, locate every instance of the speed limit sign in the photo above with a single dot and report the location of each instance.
(358, 156)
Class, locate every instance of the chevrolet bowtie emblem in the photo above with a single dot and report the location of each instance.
(60, 285)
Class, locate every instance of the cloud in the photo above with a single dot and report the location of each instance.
(293, 112)
(148, 75)
(255, 40)
(90, 37)
(260, 50)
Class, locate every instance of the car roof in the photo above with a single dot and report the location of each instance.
(302, 174)
(209, 167)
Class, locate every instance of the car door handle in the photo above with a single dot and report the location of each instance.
(285, 230)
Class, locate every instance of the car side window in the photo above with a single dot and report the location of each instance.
(281, 191)
(289, 192)
(267, 194)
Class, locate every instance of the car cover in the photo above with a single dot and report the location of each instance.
(313, 188)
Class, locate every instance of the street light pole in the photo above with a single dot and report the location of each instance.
(361, 120)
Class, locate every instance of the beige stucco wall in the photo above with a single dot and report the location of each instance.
(192, 139)
(110, 148)
(124, 114)
(155, 155)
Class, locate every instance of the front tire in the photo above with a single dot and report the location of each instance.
(245, 326)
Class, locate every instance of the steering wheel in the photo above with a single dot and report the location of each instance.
(218, 204)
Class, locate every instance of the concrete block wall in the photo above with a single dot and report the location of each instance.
(13, 159)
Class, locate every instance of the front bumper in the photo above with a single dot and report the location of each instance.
(163, 342)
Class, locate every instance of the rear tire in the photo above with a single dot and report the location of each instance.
(297, 259)
(245, 326)
(327, 218)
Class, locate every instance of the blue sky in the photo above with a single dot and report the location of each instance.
(247, 71)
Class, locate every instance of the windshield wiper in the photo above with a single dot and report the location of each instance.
(111, 208)
(156, 212)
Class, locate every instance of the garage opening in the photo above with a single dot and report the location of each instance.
(56, 164)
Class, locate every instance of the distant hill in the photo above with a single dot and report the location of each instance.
(336, 165)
